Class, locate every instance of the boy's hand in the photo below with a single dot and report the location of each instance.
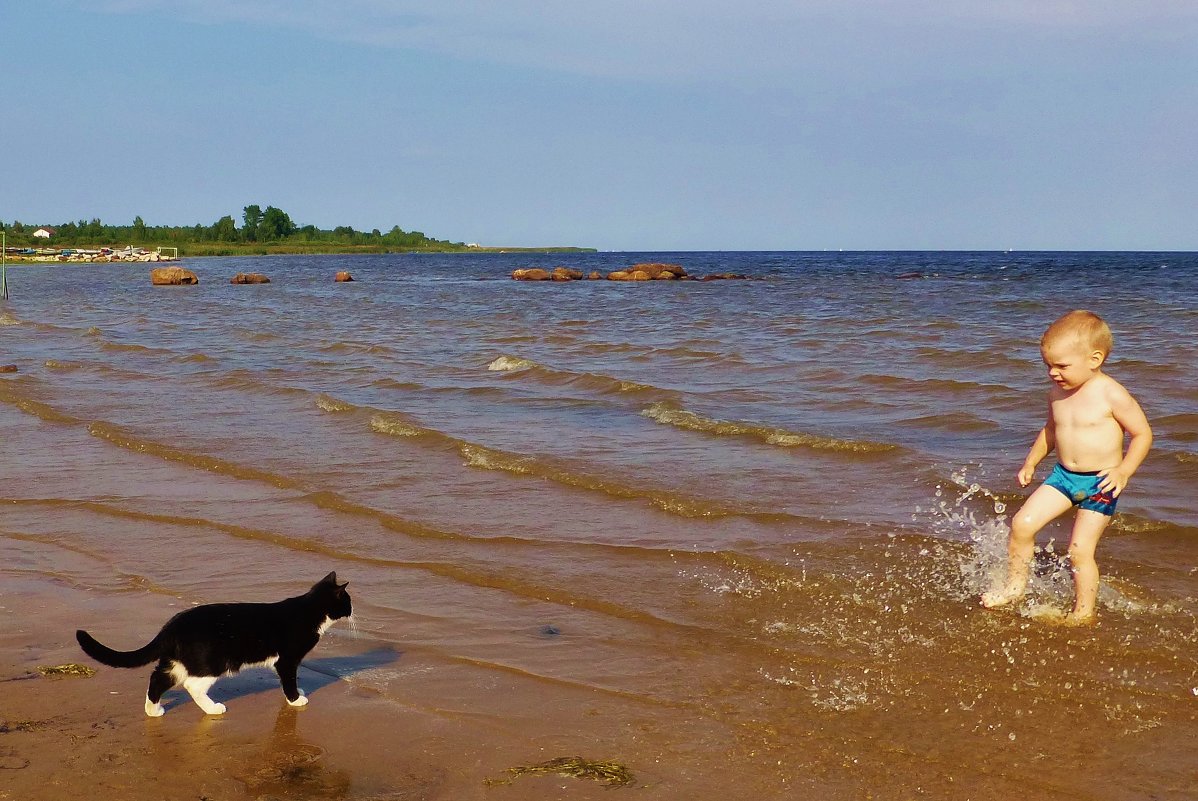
(1026, 474)
(1114, 479)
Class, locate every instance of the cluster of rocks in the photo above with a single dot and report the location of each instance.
(177, 276)
(649, 271)
(82, 256)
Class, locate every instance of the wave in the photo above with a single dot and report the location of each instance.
(394, 426)
(506, 581)
(510, 363)
(7, 318)
(55, 364)
(355, 347)
(10, 393)
(330, 404)
(780, 437)
(949, 385)
(132, 347)
(124, 439)
(567, 475)
(251, 381)
(962, 422)
(591, 382)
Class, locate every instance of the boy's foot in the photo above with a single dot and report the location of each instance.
(1076, 619)
(995, 599)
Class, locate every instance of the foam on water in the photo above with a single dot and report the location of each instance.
(510, 363)
(330, 404)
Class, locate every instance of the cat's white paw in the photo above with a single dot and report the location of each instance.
(154, 710)
(303, 699)
(215, 709)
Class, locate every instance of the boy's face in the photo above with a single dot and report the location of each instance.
(1069, 364)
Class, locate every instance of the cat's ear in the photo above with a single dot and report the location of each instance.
(331, 578)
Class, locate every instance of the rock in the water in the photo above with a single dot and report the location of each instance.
(249, 278)
(725, 277)
(342, 277)
(8, 368)
(566, 274)
(172, 276)
(534, 274)
(655, 269)
(595, 276)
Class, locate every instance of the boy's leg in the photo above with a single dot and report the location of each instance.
(1042, 506)
(1087, 529)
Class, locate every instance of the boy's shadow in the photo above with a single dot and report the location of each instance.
(314, 675)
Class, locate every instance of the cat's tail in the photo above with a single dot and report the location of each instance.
(121, 659)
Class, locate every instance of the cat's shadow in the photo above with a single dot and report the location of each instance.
(314, 676)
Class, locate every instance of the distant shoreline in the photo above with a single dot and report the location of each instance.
(67, 254)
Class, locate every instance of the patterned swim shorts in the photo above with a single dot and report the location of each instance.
(1082, 489)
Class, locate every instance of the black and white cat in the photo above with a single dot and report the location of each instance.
(200, 645)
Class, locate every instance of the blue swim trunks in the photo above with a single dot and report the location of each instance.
(1082, 489)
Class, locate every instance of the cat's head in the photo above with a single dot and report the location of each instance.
(333, 597)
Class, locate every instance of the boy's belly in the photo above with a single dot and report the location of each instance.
(1090, 447)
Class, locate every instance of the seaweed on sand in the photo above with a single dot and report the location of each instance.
(612, 774)
(58, 671)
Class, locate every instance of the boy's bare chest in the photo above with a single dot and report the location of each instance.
(1082, 410)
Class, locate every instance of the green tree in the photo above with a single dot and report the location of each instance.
(224, 229)
(251, 218)
(139, 229)
(275, 225)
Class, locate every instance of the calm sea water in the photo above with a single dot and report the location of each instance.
(730, 532)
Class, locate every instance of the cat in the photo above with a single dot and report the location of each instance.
(200, 645)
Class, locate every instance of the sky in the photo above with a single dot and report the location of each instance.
(615, 124)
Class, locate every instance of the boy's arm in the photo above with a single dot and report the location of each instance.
(1045, 442)
(1131, 419)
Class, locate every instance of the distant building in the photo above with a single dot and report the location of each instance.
(44, 233)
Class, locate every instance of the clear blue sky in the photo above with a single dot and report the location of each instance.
(622, 125)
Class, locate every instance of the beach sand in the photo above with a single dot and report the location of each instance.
(87, 736)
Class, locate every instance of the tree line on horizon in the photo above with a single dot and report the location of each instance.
(258, 226)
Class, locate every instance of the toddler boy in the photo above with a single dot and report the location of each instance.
(1088, 415)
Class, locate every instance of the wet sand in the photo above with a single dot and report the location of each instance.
(87, 736)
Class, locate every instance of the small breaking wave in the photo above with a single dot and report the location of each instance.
(506, 364)
(330, 404)
(682, 418)
(395, 427)
(7, 318)
(591, 382)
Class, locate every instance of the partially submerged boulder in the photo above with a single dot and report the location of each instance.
(565, 274)
(658, 270)
(534, 274)
(249, 278)
(343, 277)
(724, 277)
(8, 368)
(172, 276)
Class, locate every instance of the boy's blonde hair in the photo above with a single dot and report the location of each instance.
(1085, 327)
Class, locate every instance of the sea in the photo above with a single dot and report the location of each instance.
(730, 534)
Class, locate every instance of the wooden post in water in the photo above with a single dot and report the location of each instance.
(3, 265)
